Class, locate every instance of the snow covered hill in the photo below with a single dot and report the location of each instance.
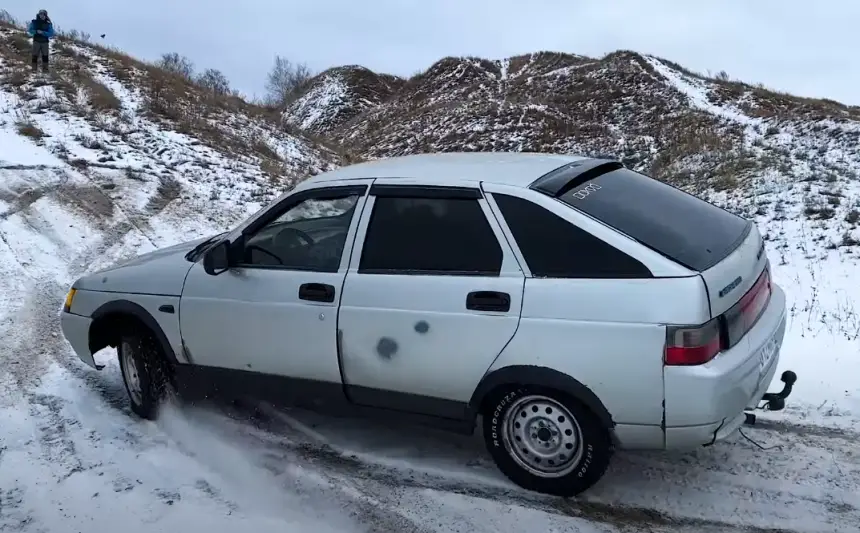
(110, 157)
(338, 95)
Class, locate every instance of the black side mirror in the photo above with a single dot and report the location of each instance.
(217, 259)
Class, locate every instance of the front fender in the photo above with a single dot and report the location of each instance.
(108, 319)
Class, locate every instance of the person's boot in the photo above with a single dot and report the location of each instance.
(35, 63)
(45, 64)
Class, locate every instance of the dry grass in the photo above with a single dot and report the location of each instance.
(168, 190)
(274, 169)
(72, 76)
(28, 128)
(816, 209)
(551, 102)
(614, 105)
(16, 77)
(101, 98)
(19, 48)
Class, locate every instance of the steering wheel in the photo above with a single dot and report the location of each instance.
(263, 251)
(292, 234)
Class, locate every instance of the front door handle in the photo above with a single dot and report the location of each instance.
(488, 301)
(316, 292)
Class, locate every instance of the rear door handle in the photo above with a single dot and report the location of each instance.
(488, 301)
(316, 292)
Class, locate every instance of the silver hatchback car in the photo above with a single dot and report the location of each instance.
(574, 304)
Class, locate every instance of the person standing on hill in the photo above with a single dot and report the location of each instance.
(41, 29)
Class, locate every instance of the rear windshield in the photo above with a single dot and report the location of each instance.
(686, 229)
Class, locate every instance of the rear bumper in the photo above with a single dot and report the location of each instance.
(696, 436)
(76, 330)
(706, 403)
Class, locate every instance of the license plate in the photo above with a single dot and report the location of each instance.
(766, 354)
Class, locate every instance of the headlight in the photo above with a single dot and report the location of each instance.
(69, 297)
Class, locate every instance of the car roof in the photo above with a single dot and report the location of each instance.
(506, 168)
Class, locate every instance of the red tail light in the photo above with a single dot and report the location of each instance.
(755, 300)
(744, 314)
(696, 345)
(693, 345)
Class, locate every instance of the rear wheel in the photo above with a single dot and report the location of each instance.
(546, 441)
(144, 372)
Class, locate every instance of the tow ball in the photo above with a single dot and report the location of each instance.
(775, 401)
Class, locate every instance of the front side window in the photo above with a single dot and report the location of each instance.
(430, 236)
(554, 248)
(310, 235)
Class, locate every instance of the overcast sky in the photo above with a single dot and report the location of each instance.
(808, 48)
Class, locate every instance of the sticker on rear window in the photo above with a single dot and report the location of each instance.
(582, 193)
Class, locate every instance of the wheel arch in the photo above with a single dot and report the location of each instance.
(539, 376)
(110, 318)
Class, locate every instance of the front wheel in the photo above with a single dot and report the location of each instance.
(144, 373)
(545, 441)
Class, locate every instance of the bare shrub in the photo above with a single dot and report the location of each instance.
(815, 209)
(88, 141)
(177, 64)
(75, 35)
(165, 92)
(16, 48)
(7, 19)
(848, 240)
(285, 81)
(215, 81)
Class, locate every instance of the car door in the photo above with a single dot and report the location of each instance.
(592, 309)
(432, 296)
(275, 311)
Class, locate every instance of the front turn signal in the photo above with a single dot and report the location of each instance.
(69, 297)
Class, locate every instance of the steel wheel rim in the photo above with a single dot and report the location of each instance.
(542, 436)
(131, 375)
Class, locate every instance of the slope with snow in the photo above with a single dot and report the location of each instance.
(335, 96)
(95, 187)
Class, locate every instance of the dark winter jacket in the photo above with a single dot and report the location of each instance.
(46, 26)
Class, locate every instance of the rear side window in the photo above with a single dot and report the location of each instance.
(555, 248)
(430, 236)
(686, 229)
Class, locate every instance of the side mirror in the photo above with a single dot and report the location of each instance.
(217, 259)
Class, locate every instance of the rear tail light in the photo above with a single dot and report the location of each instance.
(696, 345)
(744, 314)
(754, 301)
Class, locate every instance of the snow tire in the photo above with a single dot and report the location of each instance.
(504, 430)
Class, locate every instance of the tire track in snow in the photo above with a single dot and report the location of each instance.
(814, 477)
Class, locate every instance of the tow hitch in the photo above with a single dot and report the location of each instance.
(775, 401)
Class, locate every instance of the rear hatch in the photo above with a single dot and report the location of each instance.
(726, 250)
(736, 274)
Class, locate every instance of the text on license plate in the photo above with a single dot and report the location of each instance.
(766, 354)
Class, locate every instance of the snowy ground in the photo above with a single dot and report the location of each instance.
(73, 458)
